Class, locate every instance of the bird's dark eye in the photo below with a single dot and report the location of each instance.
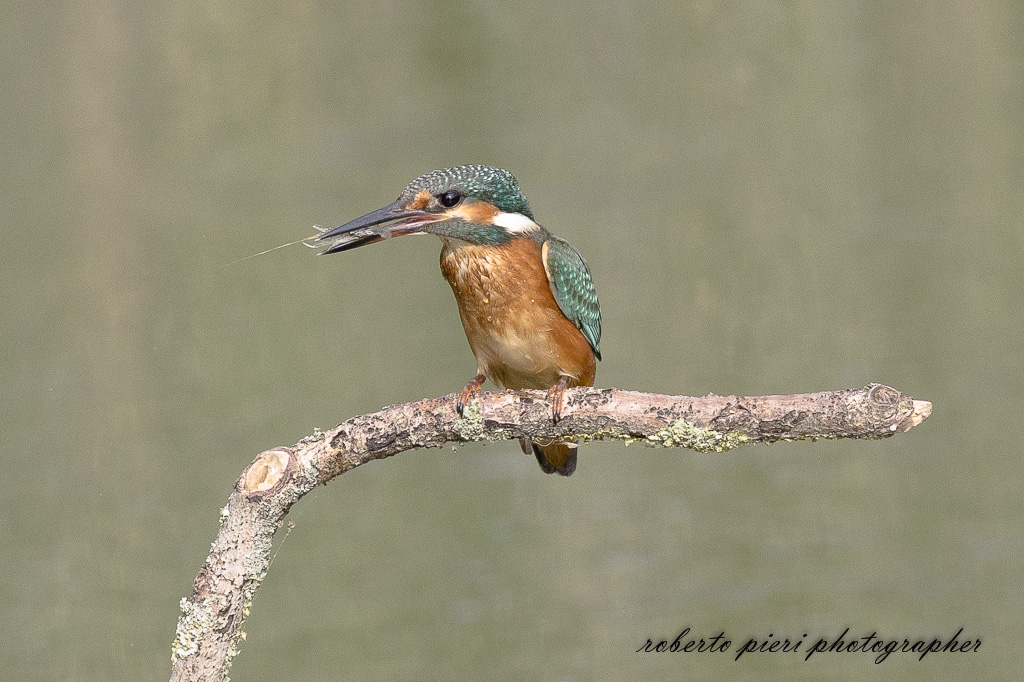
(450, 198)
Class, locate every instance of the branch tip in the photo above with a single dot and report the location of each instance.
(922, 410)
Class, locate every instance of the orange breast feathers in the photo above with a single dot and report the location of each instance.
(517, 332)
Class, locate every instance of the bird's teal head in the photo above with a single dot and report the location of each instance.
(472, 203)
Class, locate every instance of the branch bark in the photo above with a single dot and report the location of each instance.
(210, 626)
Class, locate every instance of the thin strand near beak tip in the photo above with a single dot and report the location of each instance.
(275, 248)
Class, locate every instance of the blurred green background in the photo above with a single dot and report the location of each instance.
(773, 198)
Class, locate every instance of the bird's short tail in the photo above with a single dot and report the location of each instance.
(554, 457)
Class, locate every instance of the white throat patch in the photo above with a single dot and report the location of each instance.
(515, 222)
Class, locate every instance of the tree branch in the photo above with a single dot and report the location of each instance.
(210, 625)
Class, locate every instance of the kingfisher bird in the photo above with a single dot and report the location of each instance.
(526, 297)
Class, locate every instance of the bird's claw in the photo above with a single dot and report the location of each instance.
(556, 396)
(470, 392)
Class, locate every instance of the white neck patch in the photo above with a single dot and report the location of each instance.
(515, 222)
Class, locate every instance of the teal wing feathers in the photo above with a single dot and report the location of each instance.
(573, 287)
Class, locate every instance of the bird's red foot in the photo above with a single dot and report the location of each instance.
(470, 392)
(556, 394)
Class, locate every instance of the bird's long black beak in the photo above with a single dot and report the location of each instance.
(373, 227)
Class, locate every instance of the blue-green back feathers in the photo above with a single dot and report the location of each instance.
(573, 287)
